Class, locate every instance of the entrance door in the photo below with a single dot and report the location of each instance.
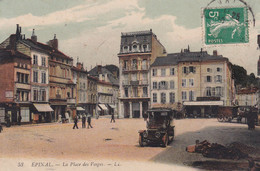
(126, 110)
(25, 113)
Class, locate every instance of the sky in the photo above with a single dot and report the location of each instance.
(91, 29)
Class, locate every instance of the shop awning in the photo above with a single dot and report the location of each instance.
(80, 109)
(43, 107)
(112, 106)
(102, 106)
(204, 103)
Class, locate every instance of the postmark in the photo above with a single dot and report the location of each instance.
(226, 25)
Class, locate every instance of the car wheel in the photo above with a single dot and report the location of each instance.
(141, 143)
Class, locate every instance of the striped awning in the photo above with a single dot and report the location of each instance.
(43, 107)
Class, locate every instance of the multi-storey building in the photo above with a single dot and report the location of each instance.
(92, 95)
(80, 78)
(39, 78)
(107, 90)
(137, 51)
(15, 88)
(203, 81)
(164, 82)
(62, 88)
(248, 97)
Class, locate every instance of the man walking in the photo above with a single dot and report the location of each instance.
(112, 118)
(84, 120)
(75, 122)
(89, 121)
(19, 119)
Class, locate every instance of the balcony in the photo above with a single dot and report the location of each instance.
(144, 82)
(145, 95)
(144, 67)
(134, 83)
(58, 96)
(71, 100)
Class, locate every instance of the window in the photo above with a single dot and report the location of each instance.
(134, 64)
(192, 69)
(35, 76)
(191, 82)
(183, 83)
(219, 69)
(209, 70)
(218, 79)
(135, 48)
(35, 95)
(145, 94)
(134, 77)
(18, 77)
(43, 95)
(208, 91)
(172, 71)
(208, 79)
(145, 48)
(191, 96)
(172, 97)
(154, 72)
(163, 72)
(135, 91)
(43, 77)
(144, 64)
(43, 61)
(35, 59)
(213, 91)
(184, 70)
(219, 91)
(155, 97)
(163, 98)
(125, 48)
(154, 85)
(125, 65)
(126, 92)
(184, 95)
(172, 84)
(26, 78)
(162, 85)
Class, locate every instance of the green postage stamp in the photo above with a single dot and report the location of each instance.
(226, 25)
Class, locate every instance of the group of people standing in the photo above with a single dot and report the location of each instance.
(84, 118)
(88, 119)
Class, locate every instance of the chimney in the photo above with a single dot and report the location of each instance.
(79, 65)
(34, 37)
(18, 29)
(53, 43)
(215, 53)
(99, 67)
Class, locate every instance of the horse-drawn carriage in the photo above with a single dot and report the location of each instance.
(229, 113)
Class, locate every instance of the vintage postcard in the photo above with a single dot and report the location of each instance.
(129, 85)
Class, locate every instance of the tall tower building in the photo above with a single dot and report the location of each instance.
(138, 50)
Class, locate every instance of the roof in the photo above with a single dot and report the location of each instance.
(79, 70)
(110, 76)
(175, 58)
(12, 53)
(252, 90)
(52, 51)
(33, 45)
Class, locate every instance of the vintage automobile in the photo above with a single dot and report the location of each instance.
(160, 129)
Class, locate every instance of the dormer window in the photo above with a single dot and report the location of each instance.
(125, 48)
(145, 48)
(134, 48)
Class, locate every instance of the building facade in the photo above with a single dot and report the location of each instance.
(107, 88)
(138, 51)
(199, 81)
(248, 97)
(15, 87)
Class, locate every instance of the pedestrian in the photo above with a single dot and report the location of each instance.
(84, 120)
(112, 117)
(89, 121)
(8, 120)
(19, 119)
(75, 122)
(1, 128)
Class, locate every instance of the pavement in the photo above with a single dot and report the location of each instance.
(118, 141)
